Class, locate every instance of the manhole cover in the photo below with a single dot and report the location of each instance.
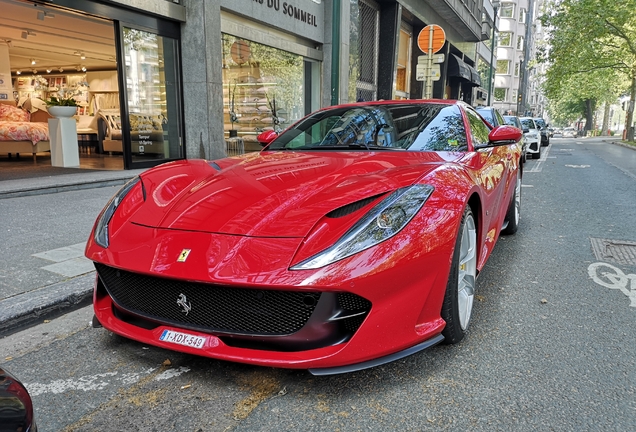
(618, 251)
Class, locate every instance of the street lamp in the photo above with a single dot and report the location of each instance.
(495, 5)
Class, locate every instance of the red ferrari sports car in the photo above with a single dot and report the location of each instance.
(352, 239)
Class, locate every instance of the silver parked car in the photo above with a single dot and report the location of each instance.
(514, 121)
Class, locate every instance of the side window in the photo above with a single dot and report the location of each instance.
(441, 130)
(478, 129)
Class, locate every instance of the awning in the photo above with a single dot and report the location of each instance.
(476, 81)
(458, 68)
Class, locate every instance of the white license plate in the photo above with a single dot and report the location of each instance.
(183, 339)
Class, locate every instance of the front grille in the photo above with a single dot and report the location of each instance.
(213, 307)
(240, 314)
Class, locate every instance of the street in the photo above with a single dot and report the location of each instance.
(551, 344)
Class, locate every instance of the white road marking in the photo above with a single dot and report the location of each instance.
(100, 381)
(613, 278)
(577, 166)
(526, 185)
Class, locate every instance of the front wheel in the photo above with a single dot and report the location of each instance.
(514, 209)
(537, 155)
(460, 289)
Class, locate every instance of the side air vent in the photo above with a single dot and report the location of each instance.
(350, 208)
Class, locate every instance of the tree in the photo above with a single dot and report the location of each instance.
(593, 42)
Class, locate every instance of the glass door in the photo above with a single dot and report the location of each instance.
(151, 109)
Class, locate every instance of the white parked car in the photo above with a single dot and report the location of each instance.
(532, 134)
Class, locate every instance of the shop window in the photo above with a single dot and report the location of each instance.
(263, 89)
(503, 67)
(505, 39)
(153, 98)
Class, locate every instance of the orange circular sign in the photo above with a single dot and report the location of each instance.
(424, 38)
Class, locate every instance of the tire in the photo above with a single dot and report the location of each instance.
(514, 209)
(537, 155)
(460, 289)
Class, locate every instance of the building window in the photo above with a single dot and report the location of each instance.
(403, 73)
(507, 10)
(363, 50)
(522, 15)
(503, 67)
(500, 94)
(505, 39)
(517, 69)
(519, 42)
(514, 96)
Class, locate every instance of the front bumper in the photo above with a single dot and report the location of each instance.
(371, 306)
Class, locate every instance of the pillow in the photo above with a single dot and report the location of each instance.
(11, 113)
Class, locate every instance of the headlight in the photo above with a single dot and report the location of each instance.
(381, 223)
(101, 229)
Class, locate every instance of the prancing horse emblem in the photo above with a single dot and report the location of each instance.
(183, 256)
(184, 303)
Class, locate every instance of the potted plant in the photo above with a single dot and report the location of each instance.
(64, 103)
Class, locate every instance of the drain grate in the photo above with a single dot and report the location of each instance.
(618, 251)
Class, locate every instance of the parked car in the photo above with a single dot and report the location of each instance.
(569, 132)
(351, 240)
(532, 135)
(543, 129)
(16, 406)
(514, 121)
(492, 115)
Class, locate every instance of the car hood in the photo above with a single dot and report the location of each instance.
(273, 194)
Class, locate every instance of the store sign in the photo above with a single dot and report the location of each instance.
(290, 11)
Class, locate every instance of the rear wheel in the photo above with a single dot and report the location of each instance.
(460, 289)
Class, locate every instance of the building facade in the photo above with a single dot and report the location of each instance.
(518, 78)
(181, 78)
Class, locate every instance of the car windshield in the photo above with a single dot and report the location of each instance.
(512, 121)
(528, 124)
(415, 127)
(540, 122)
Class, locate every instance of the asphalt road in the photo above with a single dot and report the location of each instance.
(549, 348)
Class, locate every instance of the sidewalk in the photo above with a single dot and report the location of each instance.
(42, 302)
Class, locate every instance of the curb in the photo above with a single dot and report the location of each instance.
(43, 190)
(622, 144)
(29, 308)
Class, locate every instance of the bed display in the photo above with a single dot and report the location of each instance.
(19, 134)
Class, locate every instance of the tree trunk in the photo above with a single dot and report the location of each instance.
(606, 120)
(630, 111)
(589, 115)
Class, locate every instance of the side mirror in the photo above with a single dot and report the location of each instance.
(503, 135)
(264, 138)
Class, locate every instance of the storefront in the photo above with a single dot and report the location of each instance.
(121, 64)
(271, 77)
